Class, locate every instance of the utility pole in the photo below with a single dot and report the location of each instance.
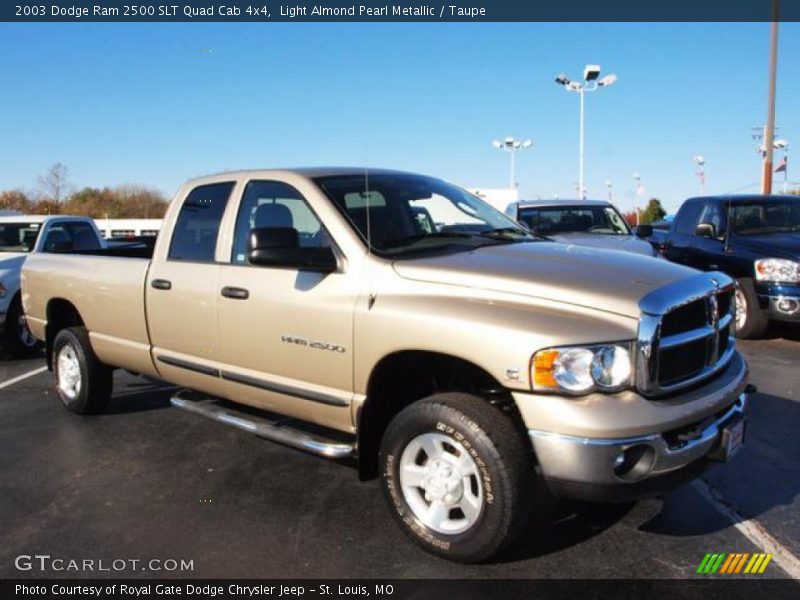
(769, 128)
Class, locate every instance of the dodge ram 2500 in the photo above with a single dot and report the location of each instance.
(400, 321)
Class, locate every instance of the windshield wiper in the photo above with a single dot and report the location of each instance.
(497, 234)
(410, 239)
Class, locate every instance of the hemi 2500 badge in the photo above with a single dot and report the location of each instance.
(301, 341)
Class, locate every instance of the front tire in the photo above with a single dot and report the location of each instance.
(82, 382)
(750, 320)
(458, 476)
(18, 341)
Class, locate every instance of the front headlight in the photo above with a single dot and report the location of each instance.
(580, 370)
(778, 269)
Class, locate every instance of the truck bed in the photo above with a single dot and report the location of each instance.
(106, 287)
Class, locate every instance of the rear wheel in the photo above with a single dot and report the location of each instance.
(750, 320)
(458, 476)
(18, 340)
(82, 382)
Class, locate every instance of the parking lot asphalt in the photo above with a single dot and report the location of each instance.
(146, 481)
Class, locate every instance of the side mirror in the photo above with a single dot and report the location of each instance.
(706, 230)
(280, 247)
(644, 231)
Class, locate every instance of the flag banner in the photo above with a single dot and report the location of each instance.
(781, 168)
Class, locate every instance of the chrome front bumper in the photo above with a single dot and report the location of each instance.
(570, 462)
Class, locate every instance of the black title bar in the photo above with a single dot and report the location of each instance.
(397, 10)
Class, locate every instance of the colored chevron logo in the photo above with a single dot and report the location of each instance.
(745, 562)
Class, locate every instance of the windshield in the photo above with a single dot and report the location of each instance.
(411, 213)
(765, 216)
(18, 237)
(555, 220)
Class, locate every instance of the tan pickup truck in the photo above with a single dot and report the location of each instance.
(398, 320)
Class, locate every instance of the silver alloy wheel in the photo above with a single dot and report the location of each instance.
(69, 372)
(26, 338)
(441, 483)
(741, 309)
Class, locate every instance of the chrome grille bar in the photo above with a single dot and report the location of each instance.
(703, 287)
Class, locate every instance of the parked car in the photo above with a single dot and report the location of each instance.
(595, 223)
(755, 239)
(399, 320)
(20, 236)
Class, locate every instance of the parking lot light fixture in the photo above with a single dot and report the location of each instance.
(512, 146)
(591, 82)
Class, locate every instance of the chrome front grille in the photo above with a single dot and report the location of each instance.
(685, 333)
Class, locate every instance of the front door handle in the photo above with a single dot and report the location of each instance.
(161, 284)
(235, 293)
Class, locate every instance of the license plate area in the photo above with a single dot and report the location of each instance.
(731, 439)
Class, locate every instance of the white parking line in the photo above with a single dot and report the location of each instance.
(751, 529)
(22, 377)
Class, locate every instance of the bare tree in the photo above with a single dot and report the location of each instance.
(55, 185)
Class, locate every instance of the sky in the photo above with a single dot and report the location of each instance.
(155, 104)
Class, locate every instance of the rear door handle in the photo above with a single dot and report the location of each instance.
(235, 293)
(161, 284)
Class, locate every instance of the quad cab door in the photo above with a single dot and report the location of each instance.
(182, 293)
(286, 333)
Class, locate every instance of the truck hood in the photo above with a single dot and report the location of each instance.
(599, 279)
(625, 243)
(779, 245)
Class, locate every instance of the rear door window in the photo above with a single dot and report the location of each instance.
(197, 227)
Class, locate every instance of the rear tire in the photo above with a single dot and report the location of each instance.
(458, 476)
(750, 320)
(82, 382)
(18, 341)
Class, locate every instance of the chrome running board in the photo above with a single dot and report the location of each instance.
(211, 408)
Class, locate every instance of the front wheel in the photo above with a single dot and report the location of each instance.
(82, 382)
(458, 476)
(750, 320)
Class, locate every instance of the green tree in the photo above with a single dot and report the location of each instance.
(653, 211)
(93, 202)
(140, 202)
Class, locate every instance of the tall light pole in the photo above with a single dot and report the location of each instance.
(610, 191)
(769, 128)
(639, 192)
(589, 84)
(512, 146)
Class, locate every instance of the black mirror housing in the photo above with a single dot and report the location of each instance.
(280, 247)
(644, 231)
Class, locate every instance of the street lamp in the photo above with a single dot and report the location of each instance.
(591, 82)
(639, 192)
(512, 146)
(610, 191)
